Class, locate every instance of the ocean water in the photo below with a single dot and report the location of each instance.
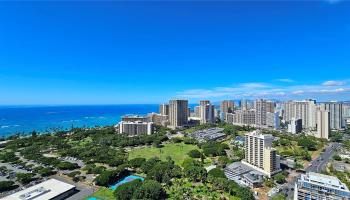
(24, 119)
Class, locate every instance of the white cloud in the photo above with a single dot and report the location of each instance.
(285, 80)
(267, 90)
(333, 83)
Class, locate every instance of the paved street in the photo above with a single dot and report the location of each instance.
(316, 165)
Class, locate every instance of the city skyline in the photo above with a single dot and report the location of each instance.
(149, 52)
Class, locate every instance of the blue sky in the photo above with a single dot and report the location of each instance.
(149, 52)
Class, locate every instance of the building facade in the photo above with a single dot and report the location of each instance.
(336, 114)
(304, 110)
(295, 126)
(178, 116)
(314, 186)
(164, 109)
(260, 112)
(227, 106)
(241, 117)
(207, 112)
(259, 153)
(323, 122)
(135, 128)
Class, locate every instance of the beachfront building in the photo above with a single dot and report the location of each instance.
(178, 116)
(135, 128)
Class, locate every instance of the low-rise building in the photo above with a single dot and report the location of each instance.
(319, 186)
(50, 189)
(210, 134)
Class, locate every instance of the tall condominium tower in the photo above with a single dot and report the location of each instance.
(336, 113)
(270, 106)
(207, 112)
(260, 112)
(259, 153)
(304, 110)
(227, 106)
(178, 113)
(164, 109)
(323, 122)
(244, 104)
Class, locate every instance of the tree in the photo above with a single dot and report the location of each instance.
(46, 172)
(217, 173)
(105, 178)
(337, 157)
(280, 178)
(7, 185)
(126, 190)
(136, 162)
(150, 189)
(245, 194)
(195, 173)
(67, 166)
(195, 154)
(24, 178)
(308, 142)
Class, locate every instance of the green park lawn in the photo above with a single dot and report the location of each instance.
(177, 151)
(103, 194)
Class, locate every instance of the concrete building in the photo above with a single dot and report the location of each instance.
(295, 126)
(323, 122)
(270, 106)
(158, 119)
(336, 114)
(273, 120)
(164, 109)
(178, 116)
(260, 112)
(314, 186)
(134, 118)
(197, 111)
(304, 110)
(135, 128)
(227, 106)
(244, 104)
(241, 117)
(207, 114)
(259, 153)
(50, 189)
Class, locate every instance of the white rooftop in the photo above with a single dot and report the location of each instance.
(325, 180)
(42, 191)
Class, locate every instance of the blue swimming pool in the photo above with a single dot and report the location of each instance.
(126, 180)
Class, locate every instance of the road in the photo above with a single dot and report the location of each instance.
(316, 165)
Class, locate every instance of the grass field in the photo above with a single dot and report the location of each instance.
(102, 194)
(178, 152)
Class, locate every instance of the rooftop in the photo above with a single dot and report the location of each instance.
(46, 190)
(324, 180)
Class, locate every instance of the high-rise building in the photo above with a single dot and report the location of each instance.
(259, 153)
(314, 186)
(270, 106)
(206, 110)
(336, 113)
(273, 120)
(227, 106)
(164, 109)
(158, 119)
(178, 113)
(135, 128)
(134, 118)
(323, 122)
(244, 104)
(304, 110)
(197, 111)
(260, 112)
(295, 126)
(241, 117)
